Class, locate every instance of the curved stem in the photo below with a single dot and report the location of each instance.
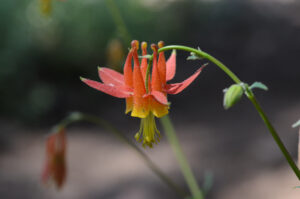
(203, 55)
(185, 168)
(250, 96)
(77, 116)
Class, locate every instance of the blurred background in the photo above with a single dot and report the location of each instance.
(46, 45)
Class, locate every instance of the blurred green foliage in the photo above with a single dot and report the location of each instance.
(41, 58)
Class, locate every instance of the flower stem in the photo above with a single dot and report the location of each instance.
(185, 168)
(275, 135)
(205, 55)
(250, 96)
(77, 116)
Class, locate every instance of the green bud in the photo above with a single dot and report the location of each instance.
(232, 95)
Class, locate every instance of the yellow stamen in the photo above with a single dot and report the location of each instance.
(150, 134)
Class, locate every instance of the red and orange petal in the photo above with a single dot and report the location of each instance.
(50, 150)
(109, 76)
(156, 83)
(59, 168)
(157, 106)
(140, 103)
(161, 65)
(158, 103)
(140, 107)
(160, 97)
(55, 166)
(116, 91)
(129, 104)
(171, 66)
(128, 74)
(178, 87)
(144, 63)
(158, 109)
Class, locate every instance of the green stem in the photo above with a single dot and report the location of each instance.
(77, 116)
(250, 96)
(185, 168)
(275, 136)
(203, 55)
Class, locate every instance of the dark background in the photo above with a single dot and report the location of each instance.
(42, 57)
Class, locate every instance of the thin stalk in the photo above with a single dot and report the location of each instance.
(77, 116)
(274, 134)
(250, 96)
(203, 55)
(184, 166)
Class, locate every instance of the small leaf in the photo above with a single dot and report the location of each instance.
(296, 124)
(258, 85)
(193, 56)
(297, 187)
(232, 95)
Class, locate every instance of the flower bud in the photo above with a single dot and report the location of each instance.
(232, 95)
(55, 166)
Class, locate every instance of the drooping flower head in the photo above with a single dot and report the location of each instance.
(146, 95)
(55, 165)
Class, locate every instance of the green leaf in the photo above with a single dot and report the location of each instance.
(193, 56)
(296, 124)
(258, 85)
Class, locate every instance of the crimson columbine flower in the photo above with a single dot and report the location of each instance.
(143, 102)
(55, 166)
